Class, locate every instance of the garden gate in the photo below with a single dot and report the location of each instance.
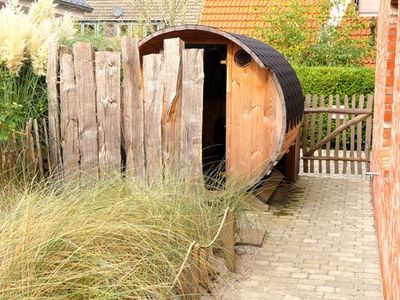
(337, 131)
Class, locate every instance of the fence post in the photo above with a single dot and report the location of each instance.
(53, 105)
(153, 101)
(108, 77)
(69, 115)
(133, 110)
(191, 126)
(172, 106)
(228, 241)
(86, 95)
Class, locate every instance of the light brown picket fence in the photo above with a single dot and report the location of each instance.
(97, 110)
(337, 134)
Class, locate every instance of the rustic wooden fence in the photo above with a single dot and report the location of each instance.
(337, 134)
(108, 101)
(25, 156)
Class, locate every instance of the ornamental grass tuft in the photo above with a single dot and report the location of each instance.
(112, 239)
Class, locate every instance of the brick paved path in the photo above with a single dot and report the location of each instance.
(321, 245)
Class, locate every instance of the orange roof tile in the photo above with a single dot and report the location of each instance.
(244, 16)
(241, 16)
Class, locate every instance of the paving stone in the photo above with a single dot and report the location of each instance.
(320, 244)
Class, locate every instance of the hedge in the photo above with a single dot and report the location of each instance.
(336, 80)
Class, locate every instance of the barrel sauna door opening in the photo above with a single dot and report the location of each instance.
(214, 109)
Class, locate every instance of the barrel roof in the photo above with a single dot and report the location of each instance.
(265, 56)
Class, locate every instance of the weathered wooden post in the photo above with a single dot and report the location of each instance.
(133, 110)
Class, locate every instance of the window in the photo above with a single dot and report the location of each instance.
(120, 28)
(109, 29)
(124, 29)
(89, 28)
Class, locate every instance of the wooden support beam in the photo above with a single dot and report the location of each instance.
(292, 167)
(251, 236)
(269, 186)
(255, 203)
(304, 137)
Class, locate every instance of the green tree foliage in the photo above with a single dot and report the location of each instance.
(304, 35)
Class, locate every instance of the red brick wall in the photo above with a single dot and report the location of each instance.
(386, 148)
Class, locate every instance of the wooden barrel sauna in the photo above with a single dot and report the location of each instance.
(252, 102)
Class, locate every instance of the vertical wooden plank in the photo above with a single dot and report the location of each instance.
(195, 262)
(320, 123)
(352, 137)
(24, 152)
(186, 284)
(31, 158)
(305, 133)
(47, 145)
(192, 114)
(153, 102)
(313, 128)
(293, 161)
(370, 103)
(229, 110)
(204, 279)
(344, 137)
(53, 104)
(86, 95)
(228, 241)
(337, 139)
(328, 131)
(359, 137)
(38, 148)
(69, 115)
(172, 114)
(108, 78)
(133, 109)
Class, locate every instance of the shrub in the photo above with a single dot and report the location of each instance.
(21, 97)
(24, 42)
(25, 37)
(336, 80)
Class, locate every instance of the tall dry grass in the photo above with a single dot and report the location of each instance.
(111, 239)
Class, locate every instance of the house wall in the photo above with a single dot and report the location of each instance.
(368, 7)
(386, 148)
